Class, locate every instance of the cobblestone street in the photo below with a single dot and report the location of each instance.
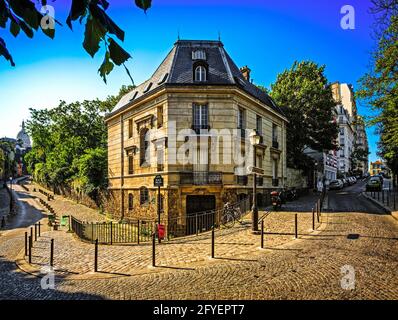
(353, 232)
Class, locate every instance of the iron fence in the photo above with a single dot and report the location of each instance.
(141, 230)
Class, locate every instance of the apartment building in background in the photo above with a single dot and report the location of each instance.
(346, 109)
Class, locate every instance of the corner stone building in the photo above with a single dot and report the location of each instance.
(199, 89)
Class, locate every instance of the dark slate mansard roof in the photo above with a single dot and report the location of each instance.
(177, 69)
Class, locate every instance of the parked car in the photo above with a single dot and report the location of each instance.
(374, 184)
(336, 184)
(345, 182)
(351, 180)
(380, 177)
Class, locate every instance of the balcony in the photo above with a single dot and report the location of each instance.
(275, 182)
(198, 128)
(242, 180)
(275, 144)
(200, 178)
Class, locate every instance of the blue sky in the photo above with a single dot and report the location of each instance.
(265, 35)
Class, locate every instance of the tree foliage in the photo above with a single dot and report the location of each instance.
(307, 100)
(100, 29)
(379, 86)
(70, 144)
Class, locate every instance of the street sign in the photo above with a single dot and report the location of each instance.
(252, 169)
(158, 181)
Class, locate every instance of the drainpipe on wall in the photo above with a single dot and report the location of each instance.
(122, 167)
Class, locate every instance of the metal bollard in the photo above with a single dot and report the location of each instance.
(35, 232)
(52, 253)
(26, 244)
(295, 226)
(153, 250)
(96, 255)
(262, 234)
(39, 227)
(196, 224)
(212, 242)
(313, 219)
(382, 196)
(31, 233)
(138, 232)
(30, 249)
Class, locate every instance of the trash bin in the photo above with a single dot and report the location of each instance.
(161, 231)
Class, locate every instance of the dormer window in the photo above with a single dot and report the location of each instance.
(200, 73)
(198, 55)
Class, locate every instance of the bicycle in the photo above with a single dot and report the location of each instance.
(230, 215)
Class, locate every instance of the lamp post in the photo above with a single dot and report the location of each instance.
(11, 194)
(254, 141)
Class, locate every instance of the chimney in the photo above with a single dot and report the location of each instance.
(246, 72)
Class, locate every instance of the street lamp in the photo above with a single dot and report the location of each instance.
(254, 141)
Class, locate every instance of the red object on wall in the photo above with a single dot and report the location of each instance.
(161, 231)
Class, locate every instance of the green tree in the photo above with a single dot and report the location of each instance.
(379, 86)
(307, 101)
(70, 145)
(100, 29)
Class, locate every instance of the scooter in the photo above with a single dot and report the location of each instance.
(277, 199)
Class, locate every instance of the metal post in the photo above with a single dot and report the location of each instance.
(26, 244)
(39, 227)
(262, 234)
(31, 233)
(254, 208)
(313, 219)
(382, 196)
(153, 250)
(388, 198)
(111, 233)
(35, 231)
(96, 255)
(196, 223)
(3, 222)
(295, 226)
(30, 249)
(158, 214)
(212, 242)
(52, 253)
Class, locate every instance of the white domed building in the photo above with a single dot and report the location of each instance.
(23, 146)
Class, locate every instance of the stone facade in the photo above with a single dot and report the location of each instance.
(147, 137)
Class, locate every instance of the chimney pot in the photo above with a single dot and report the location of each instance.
(246, 72)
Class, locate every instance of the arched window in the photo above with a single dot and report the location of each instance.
(144, 147)
(200, 73)
(131, 203)
(144, 195)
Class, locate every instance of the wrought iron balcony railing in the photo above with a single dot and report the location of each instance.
(275, 144)
(201, 177)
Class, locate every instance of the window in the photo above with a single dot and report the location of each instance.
(144, 147)
(160, 116)
(342, 131)
(200, 73)
(131, 164)
(259, 125)
(198, 55)
(241, 122)
(130, 128)
(200, 117)
(274, 132)
(131, 201)
(144, 195)
(160, 159)
(259, 161)
(274, 169)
